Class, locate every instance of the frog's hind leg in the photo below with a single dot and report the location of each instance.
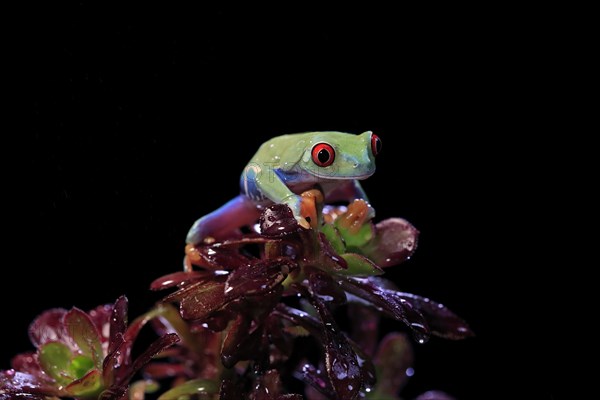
(224, 221)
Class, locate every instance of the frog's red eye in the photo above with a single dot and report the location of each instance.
(375, 144)
(323, 154)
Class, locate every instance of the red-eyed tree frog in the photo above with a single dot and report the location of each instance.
(284, 167)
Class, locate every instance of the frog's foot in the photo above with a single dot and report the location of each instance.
(224, 221)
(294, 202)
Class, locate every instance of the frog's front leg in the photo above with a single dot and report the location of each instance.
(238, 212)
(259, 184)
(346, 190)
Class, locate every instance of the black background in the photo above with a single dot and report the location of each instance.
(135, 125)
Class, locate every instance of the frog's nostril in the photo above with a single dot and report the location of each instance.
(355, 165)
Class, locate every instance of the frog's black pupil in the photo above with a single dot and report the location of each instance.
(378, 145)
(323, 156)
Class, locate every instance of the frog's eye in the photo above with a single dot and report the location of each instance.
(375, 144)
(323, 154)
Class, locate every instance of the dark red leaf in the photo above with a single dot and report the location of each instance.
(336, 262)
(22, 396)
(230, 390)
(368, 372)
(278, 220)
(325, 288)
(84, 333)
(316, 378)
(118, 323)
(27, 362)
(87, 386)
(14, 383)
(390, 303)
(301, 318)
(441, 320)
(223, 255)
(340, 359)
(49, 327)
(268, 386)
(100, 316)
(180, 279)
(394, 242)
(155, 348)
(217, 321)
(283, 344)
(204, 300)
(242, 341)
(258, 277)
(115, 362)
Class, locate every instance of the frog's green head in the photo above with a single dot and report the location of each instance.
(338, 155)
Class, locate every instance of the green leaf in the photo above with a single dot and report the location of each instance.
(83, 331)
(355, 225)
(81, 365)
(355, 239)
(193, 387)
(359, 266)
(55, 360)
(89, 386)
(333, 235)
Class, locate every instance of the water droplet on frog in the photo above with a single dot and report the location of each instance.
(410, 371)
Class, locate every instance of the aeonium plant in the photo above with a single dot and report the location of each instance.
(259, 318)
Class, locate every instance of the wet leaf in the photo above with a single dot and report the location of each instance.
(390, 303)
(48, 327)
(230, 389)
(278, 220)
(100, 317)
(217, 256)
(241, 342)
(334, 238)
(367, 368)
(155, 348)
(316, 378)
(203, 301)
(329, 258)
(359, 266)
(179, 279)
(83, 331)
(88, 386)
(340, 359)
(325, 288)
(393, 361)
(303, 319)
(191, 388)
(268, 386)
(258, 277)
(394, 242)
(441, 320)
(80, 365)
(26, 362)
(17, 383)
(55, 359)
(118, 323)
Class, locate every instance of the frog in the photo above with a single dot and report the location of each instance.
(288, 165)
